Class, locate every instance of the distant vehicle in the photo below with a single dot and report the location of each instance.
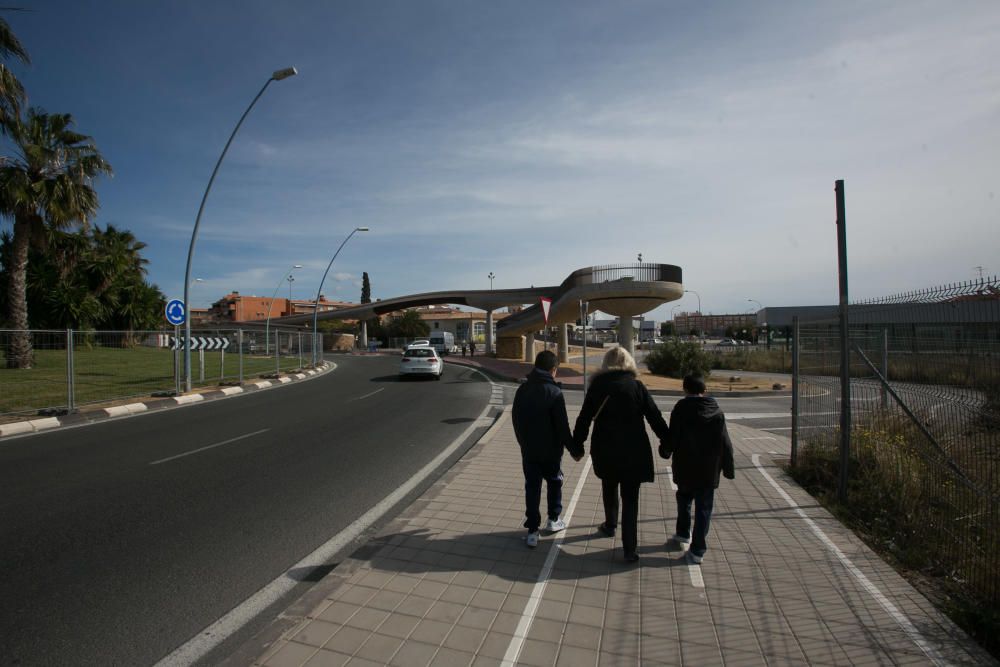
(421, 360)
(443, 342)
(728, 342)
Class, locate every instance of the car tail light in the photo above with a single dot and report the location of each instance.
(432, 361)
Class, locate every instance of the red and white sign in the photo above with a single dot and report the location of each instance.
(546, 305)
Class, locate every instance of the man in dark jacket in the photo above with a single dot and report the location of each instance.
(701, 448)
(542, 429)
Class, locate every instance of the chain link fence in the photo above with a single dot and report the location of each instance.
(923, 452)
(70, 369)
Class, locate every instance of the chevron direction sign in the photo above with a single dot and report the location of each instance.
(201, 343)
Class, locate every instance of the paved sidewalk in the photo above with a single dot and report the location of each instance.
(451, 582)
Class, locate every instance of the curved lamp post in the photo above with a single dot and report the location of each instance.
(270, 305)
(320, 290)
(277, 76)
(691, 291)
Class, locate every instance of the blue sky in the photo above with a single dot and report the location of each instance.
(534, 138)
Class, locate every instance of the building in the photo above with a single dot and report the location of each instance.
(235, 307)
(712, 325)
(465, 325)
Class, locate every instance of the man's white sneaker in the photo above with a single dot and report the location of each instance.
(532, 539)
(554, 526)
(694, 558)
(680, 540)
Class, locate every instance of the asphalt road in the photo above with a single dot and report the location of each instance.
(120, 541)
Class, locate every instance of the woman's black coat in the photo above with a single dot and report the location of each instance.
(620, 447)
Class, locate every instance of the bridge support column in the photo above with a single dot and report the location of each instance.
(489, 332)
(529, 348)
(625, 333)
(563, 343)
(363, 343)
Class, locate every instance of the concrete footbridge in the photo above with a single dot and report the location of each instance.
(623, 290)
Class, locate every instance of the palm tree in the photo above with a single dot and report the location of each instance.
(46, 184)
(12, 95)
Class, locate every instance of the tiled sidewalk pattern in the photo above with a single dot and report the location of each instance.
(448, 582)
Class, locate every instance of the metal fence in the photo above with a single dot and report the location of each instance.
(923, 452)
(71, 368)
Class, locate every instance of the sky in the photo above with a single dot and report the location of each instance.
(530, 139)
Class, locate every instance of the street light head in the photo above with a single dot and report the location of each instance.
(361, 229)
(297, 266)
(284, 73)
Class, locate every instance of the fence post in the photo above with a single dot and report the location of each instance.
(222, 364)
(70, 389)
(277, 355)
(845, 350)
(885, 366)
(239, 345)
(795, 390)
(201, 366)
(300, 350)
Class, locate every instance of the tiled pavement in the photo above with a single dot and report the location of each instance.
(451, 582)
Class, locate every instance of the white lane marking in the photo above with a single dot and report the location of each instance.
(218, 444)
(789, 428)
(915, 636)
(216, 633)
(524, 625)
(371, 394)
(767, 437)
(694, 570)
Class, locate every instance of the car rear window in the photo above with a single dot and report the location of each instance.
(420, 353)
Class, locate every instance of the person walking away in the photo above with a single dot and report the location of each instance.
(472, 348)
(701, 448)
(542, 430)
(619, 405)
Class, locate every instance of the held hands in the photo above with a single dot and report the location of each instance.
(664, 450)
(577, 457)
(729, 474)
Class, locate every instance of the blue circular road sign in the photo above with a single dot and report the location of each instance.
(176, 312)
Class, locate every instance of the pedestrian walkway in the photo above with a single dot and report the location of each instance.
(451, 582)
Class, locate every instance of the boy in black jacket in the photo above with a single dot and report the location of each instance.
(701, 448)
(542, 429)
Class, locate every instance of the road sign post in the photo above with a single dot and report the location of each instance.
(177, 365)
(546, 304)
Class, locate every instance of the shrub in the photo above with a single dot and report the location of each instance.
(677, 358)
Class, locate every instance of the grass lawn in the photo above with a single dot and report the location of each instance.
(105, 374)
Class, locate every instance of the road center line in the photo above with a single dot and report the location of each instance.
(914, 634)
(371, 394)
(218, 444)
(535, 599)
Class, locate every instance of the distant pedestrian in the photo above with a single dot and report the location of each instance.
(472, 348)
(619, 405)
(463, 348)
(542, 430)
(701, 448)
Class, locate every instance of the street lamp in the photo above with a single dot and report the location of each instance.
(270, 305)
(320, 290)
(759, 304)
(277, 76)
(491, 277)
(691, 291)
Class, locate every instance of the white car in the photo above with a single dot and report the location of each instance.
(420, 342)
(421, 360)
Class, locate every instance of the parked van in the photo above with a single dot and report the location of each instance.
(443, 342)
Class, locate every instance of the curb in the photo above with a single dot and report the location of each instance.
(101, 414)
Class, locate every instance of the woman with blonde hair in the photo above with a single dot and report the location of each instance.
(619, 405)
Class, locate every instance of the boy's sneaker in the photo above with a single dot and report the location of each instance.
(680, 540)
(532, 539)
(555, 525)
(694, 558)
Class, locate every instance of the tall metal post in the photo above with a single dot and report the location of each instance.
(795, 390)
(300, 349)
(222, 364)
(845, 351)
(277, 353)
(583, 319)
(201, 366)
(177, 365)
(277, 76)
(885, 366)
(239, 346)
(70, 389)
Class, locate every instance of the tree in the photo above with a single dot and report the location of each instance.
(45, 185)
(408, 325)
(366, 289)
(12, 95)
(676, 358)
